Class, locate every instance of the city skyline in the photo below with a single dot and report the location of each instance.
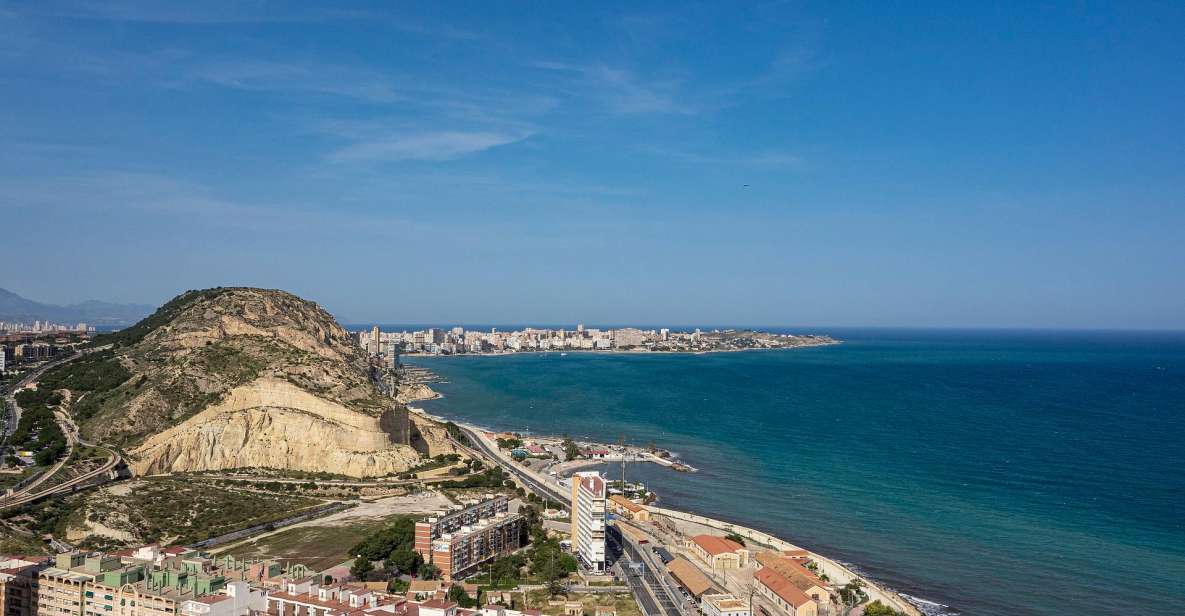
(774, 164)
(684, 327)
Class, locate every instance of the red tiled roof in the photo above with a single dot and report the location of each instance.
(593, 484)
(781, 586)
(625, 502)
(715, 546)
(804, 579)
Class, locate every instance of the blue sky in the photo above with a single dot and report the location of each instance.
(952, 164)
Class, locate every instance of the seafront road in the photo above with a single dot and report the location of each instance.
(651, 588)
(530, 480)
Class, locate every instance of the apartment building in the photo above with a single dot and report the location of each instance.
(18, 577)
(588, 519)
(460, 540)
(104, 585)
(307, 598)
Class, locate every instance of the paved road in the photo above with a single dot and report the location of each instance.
(526, 478)
(657, 585)
(666, 581)
(27, 493)
(11, 405)
(647, 588)
(638, 589)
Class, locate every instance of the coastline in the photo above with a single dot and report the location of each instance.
(839, 572)
(621, 351)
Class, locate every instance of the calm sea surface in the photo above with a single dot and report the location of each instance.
(994, 472)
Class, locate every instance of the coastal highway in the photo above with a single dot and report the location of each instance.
(528, 479)
(652, 588)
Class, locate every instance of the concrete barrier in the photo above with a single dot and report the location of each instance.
(836, 572)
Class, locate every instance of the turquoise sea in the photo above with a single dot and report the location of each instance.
(994, 472)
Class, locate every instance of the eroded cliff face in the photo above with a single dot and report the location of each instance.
(250, 378)
(270, 423)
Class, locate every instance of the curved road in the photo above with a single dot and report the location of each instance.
(528, 479)
(10, 398)
(26, 493)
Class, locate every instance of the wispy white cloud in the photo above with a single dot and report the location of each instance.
(431, 146)
(622, 90)
(115, 190)
(269, 76)
(146, 194)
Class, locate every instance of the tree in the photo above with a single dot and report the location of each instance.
(531, 516)
(429, 571)
(361, 567)
(398, 535)
(397, 585)
(852, 593)
(509, 443)
(404, 560)
(571, 449)
(458, 595)
(876, 608)
(735, 537)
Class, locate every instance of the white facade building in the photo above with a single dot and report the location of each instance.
(723, 605)
(588, 519)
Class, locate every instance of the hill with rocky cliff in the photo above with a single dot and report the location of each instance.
(232, 378)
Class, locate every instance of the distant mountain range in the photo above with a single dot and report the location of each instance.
(13, 307)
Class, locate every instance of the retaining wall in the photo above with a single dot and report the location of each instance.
(836, 572)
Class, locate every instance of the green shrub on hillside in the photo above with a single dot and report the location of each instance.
(164, 314)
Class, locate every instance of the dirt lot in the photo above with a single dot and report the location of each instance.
(325, 542)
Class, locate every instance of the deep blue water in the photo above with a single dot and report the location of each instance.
(997, 472)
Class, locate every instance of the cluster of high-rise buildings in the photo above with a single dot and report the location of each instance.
(458, 340)
(12, 354)
(380, 346)
(38, 327)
